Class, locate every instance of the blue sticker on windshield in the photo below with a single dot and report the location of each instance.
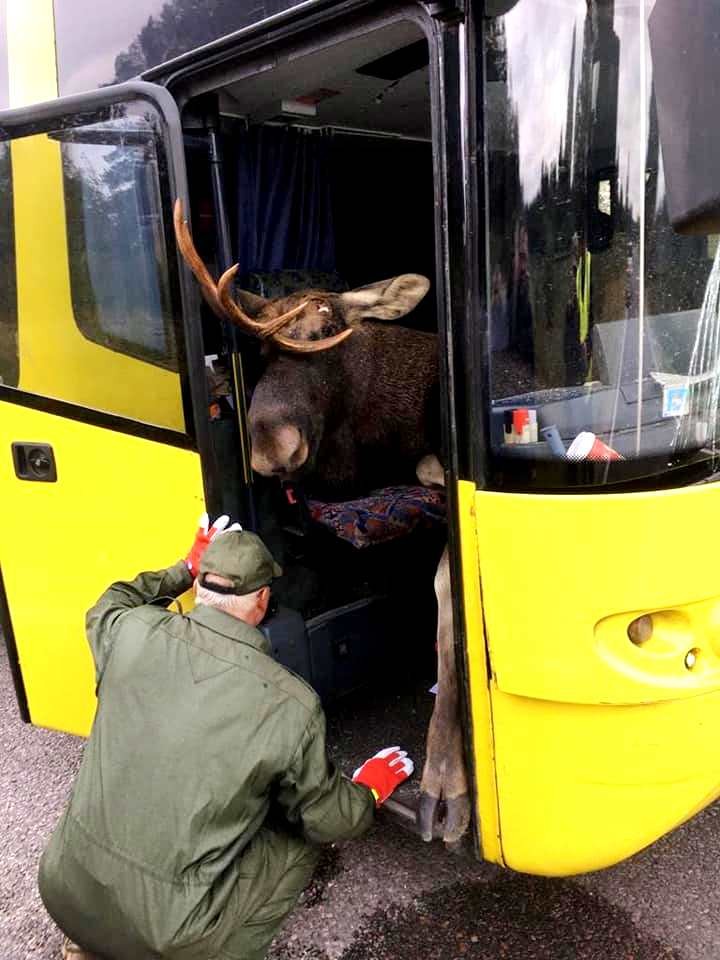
(676, 401)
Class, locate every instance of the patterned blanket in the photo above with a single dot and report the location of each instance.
(383, 515)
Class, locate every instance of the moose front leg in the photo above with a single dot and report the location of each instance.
(444, 776)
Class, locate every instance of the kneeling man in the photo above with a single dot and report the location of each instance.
(205, 787)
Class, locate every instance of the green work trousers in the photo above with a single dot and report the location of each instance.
(276, 868)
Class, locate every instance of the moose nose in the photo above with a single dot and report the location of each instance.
(279, 452)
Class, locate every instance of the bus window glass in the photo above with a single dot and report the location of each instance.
(8, 298)
(594, 300)
(97, 327)
(118, 271)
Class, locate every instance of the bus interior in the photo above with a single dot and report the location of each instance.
(318, 174)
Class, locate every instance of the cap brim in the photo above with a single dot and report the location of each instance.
(277, 569)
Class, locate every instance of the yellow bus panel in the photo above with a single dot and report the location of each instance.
(604, 739)
(120, 504)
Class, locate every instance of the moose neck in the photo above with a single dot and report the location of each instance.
(381, 420)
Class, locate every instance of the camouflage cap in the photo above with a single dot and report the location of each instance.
(242, 558)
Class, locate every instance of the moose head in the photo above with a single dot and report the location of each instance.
(320, 352)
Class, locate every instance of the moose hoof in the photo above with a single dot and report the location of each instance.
(457, 818)
(449, 818)
(426, 816)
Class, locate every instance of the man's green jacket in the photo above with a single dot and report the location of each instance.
(198, 734)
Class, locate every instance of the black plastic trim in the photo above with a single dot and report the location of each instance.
(25, 121)
(647, 475)
(460, 314)
(96, 418)
(9, 636)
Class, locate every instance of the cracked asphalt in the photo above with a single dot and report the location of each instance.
(388, 896)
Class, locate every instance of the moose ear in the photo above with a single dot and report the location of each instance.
(386, 300)
(251, 303)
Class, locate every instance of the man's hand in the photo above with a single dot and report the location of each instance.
(384, 772)
(205, 534)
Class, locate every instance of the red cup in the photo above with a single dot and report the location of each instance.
(521, 417)
(586, 446)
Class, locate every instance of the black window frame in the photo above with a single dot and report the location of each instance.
(87, 317)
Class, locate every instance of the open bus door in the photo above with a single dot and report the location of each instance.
(99, 462)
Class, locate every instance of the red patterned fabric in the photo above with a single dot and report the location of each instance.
(383, 515)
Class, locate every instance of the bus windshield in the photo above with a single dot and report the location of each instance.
(603, 320)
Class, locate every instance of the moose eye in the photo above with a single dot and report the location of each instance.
(324, 309)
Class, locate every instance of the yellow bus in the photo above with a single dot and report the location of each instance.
(527, 156)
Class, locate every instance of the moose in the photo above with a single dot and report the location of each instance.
(347, 398)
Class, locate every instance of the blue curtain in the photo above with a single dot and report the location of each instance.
(284, 201)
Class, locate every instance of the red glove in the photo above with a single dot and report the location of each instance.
(205, 534)
(384, 772)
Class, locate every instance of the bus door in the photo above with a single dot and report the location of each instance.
(100, 470)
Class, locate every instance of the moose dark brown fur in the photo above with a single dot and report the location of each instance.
(353, 417)
(352, 403)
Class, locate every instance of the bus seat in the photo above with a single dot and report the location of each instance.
(385, 514)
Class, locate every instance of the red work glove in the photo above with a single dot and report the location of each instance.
(205, 534)
(384, 772)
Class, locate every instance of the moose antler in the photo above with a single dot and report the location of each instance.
(220, 301)
(239, 317)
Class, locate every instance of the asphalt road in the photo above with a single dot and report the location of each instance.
(388, 896)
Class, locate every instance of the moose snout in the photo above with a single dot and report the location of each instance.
(279, 450)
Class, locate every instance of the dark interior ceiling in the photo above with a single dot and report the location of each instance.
(348, 98)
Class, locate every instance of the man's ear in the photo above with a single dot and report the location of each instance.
(263, 599)
(251, 303)
(385, 300)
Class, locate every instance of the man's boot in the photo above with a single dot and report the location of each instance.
(71, 951)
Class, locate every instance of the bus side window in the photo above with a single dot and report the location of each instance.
(99, 317)
(8, 293)
(118, 273)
